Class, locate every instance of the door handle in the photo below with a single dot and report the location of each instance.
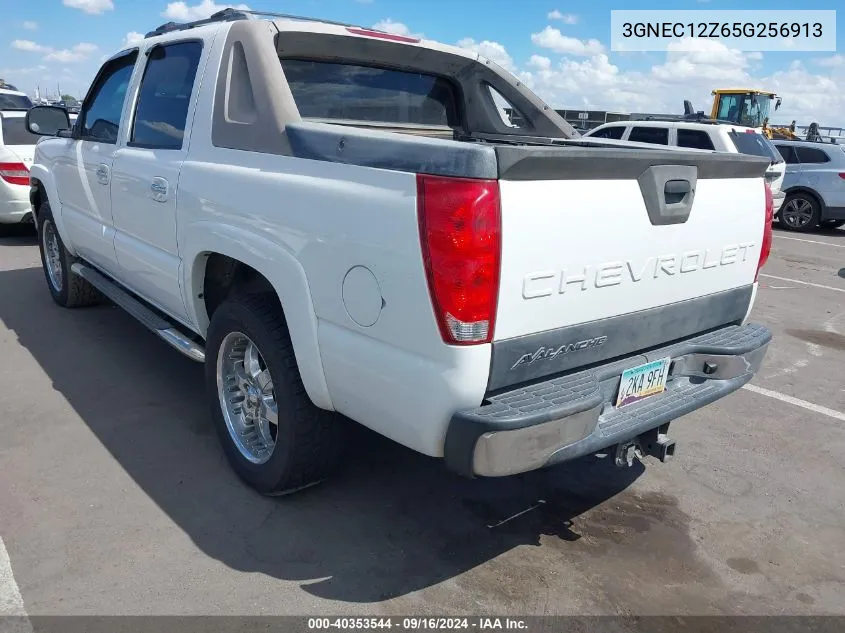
(102, 172)
(158, 188)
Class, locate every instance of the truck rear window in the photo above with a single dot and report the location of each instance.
(15, 132)
(14, 102)
(328, 90)
(756, 145)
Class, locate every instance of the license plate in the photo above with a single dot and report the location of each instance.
(643, 381)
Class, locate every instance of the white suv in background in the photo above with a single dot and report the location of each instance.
(705, 135)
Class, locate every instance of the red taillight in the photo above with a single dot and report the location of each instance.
(14, 173)
(382, 35)
(842, 176)
(461, 237)
(767, 230)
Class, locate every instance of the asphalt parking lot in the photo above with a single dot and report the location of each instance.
(116, 498)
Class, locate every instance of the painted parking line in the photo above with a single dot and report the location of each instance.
(803, 283)
(13, 617)
(815, 408)
(800, 239)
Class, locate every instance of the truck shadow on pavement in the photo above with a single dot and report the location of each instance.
(390, 523)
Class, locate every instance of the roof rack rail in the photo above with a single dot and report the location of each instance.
(288, 16)
(668, 118)
(232, 15)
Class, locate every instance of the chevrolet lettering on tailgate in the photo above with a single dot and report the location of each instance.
(546, 283)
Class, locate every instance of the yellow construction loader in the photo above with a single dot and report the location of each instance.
(750, 107)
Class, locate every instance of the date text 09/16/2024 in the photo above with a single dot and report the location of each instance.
(419, 623)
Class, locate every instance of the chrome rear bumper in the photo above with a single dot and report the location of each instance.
(574, 415)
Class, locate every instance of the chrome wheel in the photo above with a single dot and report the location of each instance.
(247, 397)
(52, 255)
(797, 213)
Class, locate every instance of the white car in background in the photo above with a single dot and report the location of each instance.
(13, 99)
(17, 147)
(704, 135)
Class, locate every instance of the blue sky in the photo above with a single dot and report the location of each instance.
(559, 48)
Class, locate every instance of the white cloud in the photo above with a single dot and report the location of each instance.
(566, 18)
(11, 72)
(396, 28)
(690, 74)
(183, 12)
(30, 46)
(29, 25)
(694, 59)
(539, 62)
(553, 39)
(79, 52)
(491, 50)
(832, 62)
(132, 38)
(90, 6)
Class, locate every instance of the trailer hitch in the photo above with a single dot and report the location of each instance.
(654, 443)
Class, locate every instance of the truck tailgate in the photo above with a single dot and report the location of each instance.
(604, 241)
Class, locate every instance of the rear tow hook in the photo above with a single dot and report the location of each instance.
(654, 443)
(627, 453)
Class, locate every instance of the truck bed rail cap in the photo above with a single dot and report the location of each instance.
(391, 150)
(568, 162)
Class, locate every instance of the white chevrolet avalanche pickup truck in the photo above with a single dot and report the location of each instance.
(341, 225)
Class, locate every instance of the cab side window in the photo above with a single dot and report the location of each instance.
(100, 116)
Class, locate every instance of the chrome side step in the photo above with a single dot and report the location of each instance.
(168, 331)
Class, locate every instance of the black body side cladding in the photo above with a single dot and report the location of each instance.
(633, 331)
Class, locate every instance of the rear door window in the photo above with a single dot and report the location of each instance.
(15, 132)
(330, 90)
(14, 102)
(162, 109)
(696, 139)
(811, 155)
(654, 135)
(614, 131)
(754, 144)
(788, 153)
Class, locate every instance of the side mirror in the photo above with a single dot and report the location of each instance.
(48, 121)
(777, 103)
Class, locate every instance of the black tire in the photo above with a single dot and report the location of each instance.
(309, 440)
(790, 218)
(833, 224)
(71, 291)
